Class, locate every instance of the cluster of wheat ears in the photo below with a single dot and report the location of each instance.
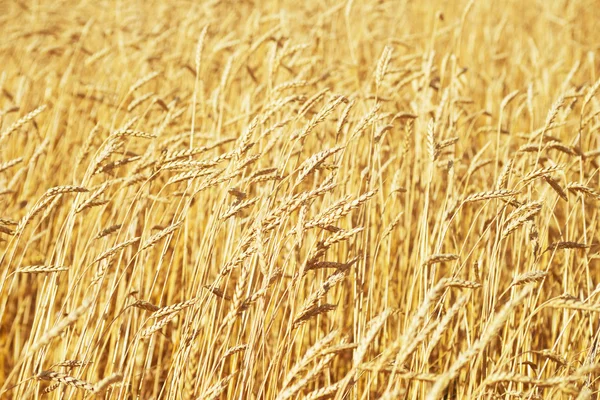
(299, 200)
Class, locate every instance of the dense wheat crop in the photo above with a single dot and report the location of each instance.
(316, 200)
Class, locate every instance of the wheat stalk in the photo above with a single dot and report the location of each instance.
(41, 269)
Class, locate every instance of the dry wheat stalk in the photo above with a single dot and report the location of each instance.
(51, 388)
(266, 178)
(22, 121)
(331, 265)
(65, 379)
(541, 172)
(339, 348)
(293, 84)
(382, 65)
(575, 187)
(108, 230)
(307, 313)
(129, 123)
(217, 292)
(277, 105)
(367, 120)
(144, 305)
(6, 230)
(408, 375)
(446, 143)
(324, 393)
(319, 118)
(439, 258)
(95, 203)
(494, 194)
(461, 283)
(527, 209)
(8, 164)
(101, 386)
(199, 49)
(184, 153)
(262, 172)
(152, 240)
(158, 325)
(215, 180)
(188, 165)
(41, 269)
(574, 304)
(478, 165)
(238, 260)
(390, 228)
(135, 179)
(239, 298)
(72, 363)
(529, 148)
(234, 350)
(123, 133)
(143, 80)
(589, 119)
(579, 374)
(528, 277)
(565, 245)
(557, 358)
(379, 134)
(108, 167)
(344, 118)
(243, 141)
(338, 210)
(51, 207)
(432, 150)
(215, 391)
(534, 238)
(237, 207)
(553, 112)
(193, 174)
(324, 245)
(109, 147)
(556, 145)
(526, 214)
(139, 100)
(173, 308)
(58, 190)
(113, 250)
(102, 267)
(93, 199)
(556, 186)
(311, 101)
(7, 221)
(238, 194)
(590, 94)
(314, 161)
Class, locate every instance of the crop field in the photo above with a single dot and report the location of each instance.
(283, 199)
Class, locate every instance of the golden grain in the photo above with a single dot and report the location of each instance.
(321, 200)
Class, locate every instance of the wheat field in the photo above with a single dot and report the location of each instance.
(315, 200)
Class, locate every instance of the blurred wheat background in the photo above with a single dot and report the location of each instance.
(299, 200)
